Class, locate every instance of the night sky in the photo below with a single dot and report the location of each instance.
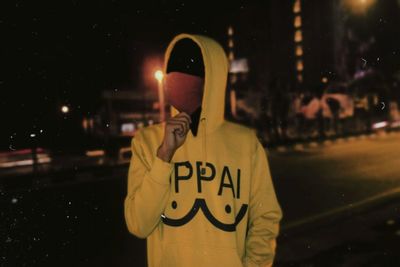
(58, 53)
(67, 52)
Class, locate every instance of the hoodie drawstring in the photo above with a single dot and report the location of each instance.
(204, 147)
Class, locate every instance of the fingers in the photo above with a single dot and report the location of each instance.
(186, 124)
(186, 119)
(185, 115)
(177, 126)
(182, 119)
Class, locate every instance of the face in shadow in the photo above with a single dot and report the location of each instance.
(184, 81)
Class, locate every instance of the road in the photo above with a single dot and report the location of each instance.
(369, 238)
(82, 224)
(320, 179)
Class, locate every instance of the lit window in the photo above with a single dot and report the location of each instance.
(296, 6)
(299, 50)
(300, 78)
(230, 31)
(298, 36)
(299, 65)
(85, 124)
(127, 127)
(297, 21)
(230, 44)
(358, 7)
(231, 56)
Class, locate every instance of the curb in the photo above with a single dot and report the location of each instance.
(301, 146)
(64, 177)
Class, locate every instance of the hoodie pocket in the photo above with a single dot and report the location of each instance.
(183, 255)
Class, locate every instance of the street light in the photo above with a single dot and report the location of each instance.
(159, 75)
(64, 109)
(358, 6)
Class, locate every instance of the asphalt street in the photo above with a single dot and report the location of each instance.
(368, 238)
(319, 179)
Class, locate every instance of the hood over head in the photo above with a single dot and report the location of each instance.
(200, 62)
(215, 72)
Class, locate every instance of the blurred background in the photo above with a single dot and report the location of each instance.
(318, 80)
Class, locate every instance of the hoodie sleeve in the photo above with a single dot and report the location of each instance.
(264, 214)
(148, 190)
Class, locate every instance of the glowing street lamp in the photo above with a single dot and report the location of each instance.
(159, 75)
(358, 6)
(64, 109)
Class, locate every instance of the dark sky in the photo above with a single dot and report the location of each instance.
(67, 52)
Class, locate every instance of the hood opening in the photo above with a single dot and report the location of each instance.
(184, 84)
(186, 57)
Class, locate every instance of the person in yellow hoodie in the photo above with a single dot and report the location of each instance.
(199, 186)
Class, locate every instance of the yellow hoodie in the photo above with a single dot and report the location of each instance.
(227, 216)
